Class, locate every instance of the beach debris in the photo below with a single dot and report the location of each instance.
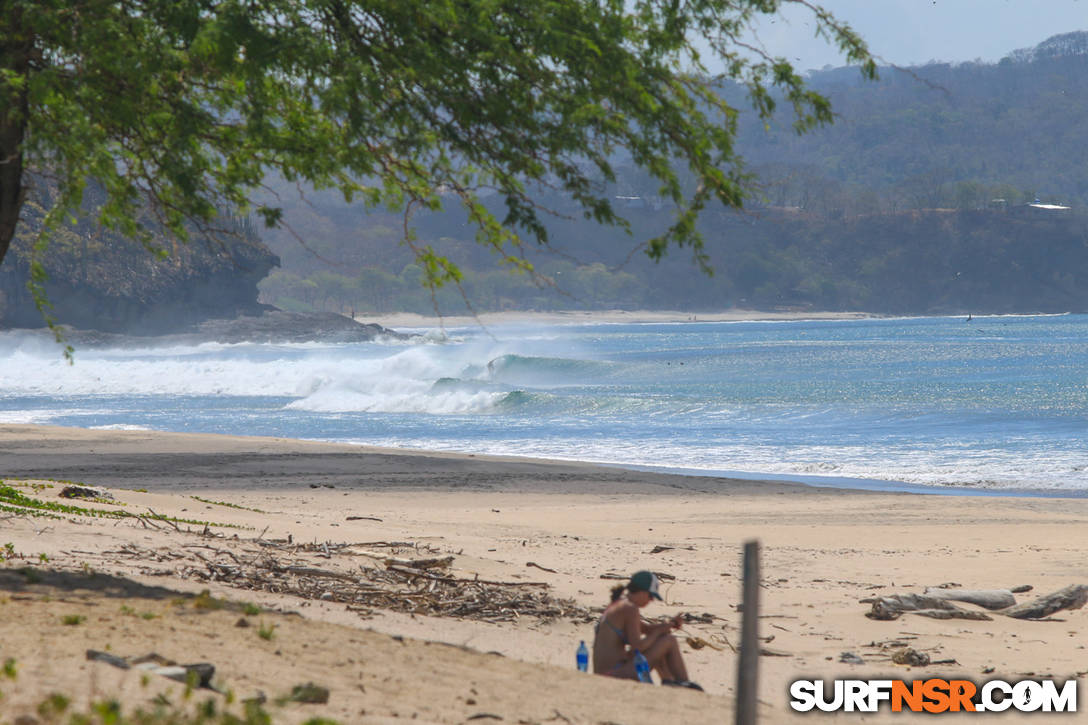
(699, 643)
(659, 548)
(1073, 596)
(911, 657)
(308, 693)
(415, 585)
(891, 607)
(704, 618)
(985, 598)
(937, 603)
(84, 492)
(542, 568)
(663, 576)
(851, 659)
(362, 518)
(197, 675)
(97, 656)
(768, 652)
(426, 563)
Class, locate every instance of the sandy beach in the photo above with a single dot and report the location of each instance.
(314, 518)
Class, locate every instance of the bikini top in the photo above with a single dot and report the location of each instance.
(619, 632)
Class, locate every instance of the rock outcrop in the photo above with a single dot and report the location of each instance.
(99, 280)
(268, 325)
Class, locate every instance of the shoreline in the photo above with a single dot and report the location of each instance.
(565, 526)
(813, 481)
(846, 483)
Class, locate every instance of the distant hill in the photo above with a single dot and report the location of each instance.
(1057, 46)
(910, 187)
(939, 136)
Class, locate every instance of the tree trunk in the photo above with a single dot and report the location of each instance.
(16, 46)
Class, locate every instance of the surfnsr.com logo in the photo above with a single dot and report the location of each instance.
(933, 695)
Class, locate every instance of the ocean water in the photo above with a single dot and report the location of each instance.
(994, 404)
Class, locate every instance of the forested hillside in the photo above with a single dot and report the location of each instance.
(894, 208)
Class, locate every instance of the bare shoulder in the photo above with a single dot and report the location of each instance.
(620, 610)
(627, 610)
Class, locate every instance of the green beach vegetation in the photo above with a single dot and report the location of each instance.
(16, 502)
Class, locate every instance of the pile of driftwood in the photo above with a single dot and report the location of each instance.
(364, 576)
(937, 602)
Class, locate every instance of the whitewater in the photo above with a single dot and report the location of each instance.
(988, 404)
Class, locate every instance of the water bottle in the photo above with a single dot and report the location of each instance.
(642, 668)
(583, 657)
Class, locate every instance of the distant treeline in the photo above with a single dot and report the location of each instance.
(908, 262)
(894, 208)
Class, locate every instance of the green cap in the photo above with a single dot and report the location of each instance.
(644, 581)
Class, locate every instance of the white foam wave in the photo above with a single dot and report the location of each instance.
(33, 369)
(340, 398)
(321, 378)
(44, 416)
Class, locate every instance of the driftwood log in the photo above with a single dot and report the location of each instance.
(986, 598)
(892, 607)
(938, 604)
(1073, 596)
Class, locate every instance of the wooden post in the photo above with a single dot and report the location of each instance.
(748, 663)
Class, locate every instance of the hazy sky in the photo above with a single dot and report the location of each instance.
(914, 32)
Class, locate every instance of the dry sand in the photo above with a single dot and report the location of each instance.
(822, 551)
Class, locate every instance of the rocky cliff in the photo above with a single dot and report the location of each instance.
(100, 280)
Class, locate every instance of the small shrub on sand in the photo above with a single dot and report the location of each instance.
(205, 600)
(265, 631)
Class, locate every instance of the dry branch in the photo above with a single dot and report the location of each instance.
(285, 567)
(542, 568)
(427, 563)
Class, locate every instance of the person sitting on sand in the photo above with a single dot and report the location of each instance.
(620, 631)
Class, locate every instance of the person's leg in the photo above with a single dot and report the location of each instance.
(665, 657)
(625, 671)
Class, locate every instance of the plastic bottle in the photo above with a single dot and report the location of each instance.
(583, 657)
(642, 668)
